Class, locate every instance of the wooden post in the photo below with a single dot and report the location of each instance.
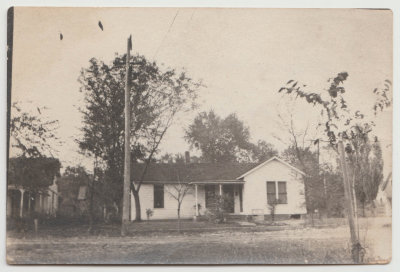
(349, 205)
(127, 160)
(22, 191)
(197, 203)
(29, 202)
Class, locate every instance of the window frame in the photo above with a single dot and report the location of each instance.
(285, 199)
(277, 194)
(157, 193)
(270, 194)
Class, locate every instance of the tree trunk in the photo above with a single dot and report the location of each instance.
(356, 246)
(363, 208)
(138, 215)
(90, 230)
(179, 218)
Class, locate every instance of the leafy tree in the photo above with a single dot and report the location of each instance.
(225, 139)
(34, 174)
(367, 169)
(32, 135)
(176, 158)
(307, 161)
(218, 139)
(342, 125)
(263, 151)
(78, 174)
(156, 97)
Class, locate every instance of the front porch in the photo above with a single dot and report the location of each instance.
(232, 190)
(22, 202)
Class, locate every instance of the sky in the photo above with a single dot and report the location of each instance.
(243, 56)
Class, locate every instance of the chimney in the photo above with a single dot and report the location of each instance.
(187, 157)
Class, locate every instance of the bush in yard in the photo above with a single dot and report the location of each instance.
(217, 212)
(149, 213)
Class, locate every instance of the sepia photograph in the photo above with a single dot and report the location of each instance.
(199, 135)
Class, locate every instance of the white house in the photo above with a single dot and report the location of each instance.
(251, 187)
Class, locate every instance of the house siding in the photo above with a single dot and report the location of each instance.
(255, 189)
(146, 196)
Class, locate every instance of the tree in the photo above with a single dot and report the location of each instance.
(263, 151)
(225, 139)
(32, 140)
(31, 135)
(342, 126)
(34, 174)
(178, 192)
(157, 96)
(366, 169)
(306, 160)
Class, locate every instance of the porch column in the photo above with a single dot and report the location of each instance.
(21, 208)
(40, 202)
(29, 202)
(220, 189)
(52, 203)
(197, 205)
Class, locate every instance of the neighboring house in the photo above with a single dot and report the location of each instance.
(32, 186)
(383, 201)
(22, 202)
(251, 186)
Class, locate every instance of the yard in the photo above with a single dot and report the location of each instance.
(202, 243)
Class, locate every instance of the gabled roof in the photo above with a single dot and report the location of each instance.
(191, 172)
(268, 161)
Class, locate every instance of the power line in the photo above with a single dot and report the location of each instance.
(165, 36)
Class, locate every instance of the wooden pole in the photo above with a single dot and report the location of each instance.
(21, 208)
(127, 161)
(348, 195)
(197, 203)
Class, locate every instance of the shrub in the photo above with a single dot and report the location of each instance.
(149, 213)
(217, 212)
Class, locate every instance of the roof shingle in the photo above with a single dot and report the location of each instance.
(185, 173)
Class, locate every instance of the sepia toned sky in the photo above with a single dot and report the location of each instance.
(243, 57)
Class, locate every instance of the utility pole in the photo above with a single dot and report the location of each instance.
(127, 161)
(348, 195)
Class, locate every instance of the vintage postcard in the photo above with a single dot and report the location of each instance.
(199, 136)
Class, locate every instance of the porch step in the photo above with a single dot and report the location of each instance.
(235, 217)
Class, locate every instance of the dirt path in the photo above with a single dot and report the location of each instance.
(306, 245)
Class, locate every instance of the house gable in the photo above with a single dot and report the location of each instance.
(274, 170)
(268, 162)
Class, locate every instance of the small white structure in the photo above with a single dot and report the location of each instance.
(383, 201)
(251, 187)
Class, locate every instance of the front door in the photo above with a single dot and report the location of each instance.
(229, 197)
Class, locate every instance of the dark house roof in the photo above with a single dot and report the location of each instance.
(191, 172)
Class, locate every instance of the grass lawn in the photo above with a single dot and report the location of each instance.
(199, 243)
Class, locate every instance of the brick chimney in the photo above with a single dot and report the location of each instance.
(187, 157)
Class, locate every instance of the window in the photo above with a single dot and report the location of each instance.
(158, 195)
(276, 191)
(271, 192)
(282, 194)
